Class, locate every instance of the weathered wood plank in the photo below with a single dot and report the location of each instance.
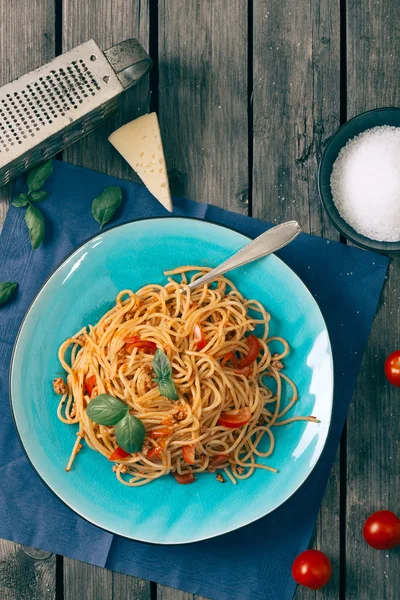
(26, 42)
(167, 593)
(125, 587)
(296, 82)
(373, 450)
(203, 99)
(33, 23)
(108, 22)
(82, 580)
(26, 573)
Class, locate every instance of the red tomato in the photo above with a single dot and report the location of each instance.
(184, 478)
(146, 345)
(154, 452)
(118, 454)
(218, 460)
(254, 351)
(234, 419)
(230, 356)
(243, 371)
(158, 433)
(199, 338)
(382, 530)
(392, 368)
(188, 454)
(312, 569)
(89, 384)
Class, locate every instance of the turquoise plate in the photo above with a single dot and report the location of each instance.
(81, 289)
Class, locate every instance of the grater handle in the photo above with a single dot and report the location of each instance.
(129, 60)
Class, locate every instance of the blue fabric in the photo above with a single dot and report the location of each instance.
(252, 563)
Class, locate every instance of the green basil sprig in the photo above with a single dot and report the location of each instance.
(130, 433)
(106, 410)
(163, 371)
(7, 289)
(33, 216)
(106, 204)
(129, 430)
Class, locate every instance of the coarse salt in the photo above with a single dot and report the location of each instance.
(365, 183)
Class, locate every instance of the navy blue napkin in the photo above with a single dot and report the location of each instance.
(254, 562)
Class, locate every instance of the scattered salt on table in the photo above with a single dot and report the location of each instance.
(365, 183)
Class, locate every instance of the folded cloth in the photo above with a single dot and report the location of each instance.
(254, 562)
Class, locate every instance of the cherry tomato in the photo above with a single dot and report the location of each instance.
(118, 454)
(159, 433)
(234, 419)
(184, 478)
(218, 460)
(312, 569)
(392, 368)
(146, 345)
(188, 454)
(382, 530)
(154, 452)
(199, 338)
(90, 382)
(254, 350)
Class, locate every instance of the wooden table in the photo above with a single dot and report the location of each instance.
(247, 93)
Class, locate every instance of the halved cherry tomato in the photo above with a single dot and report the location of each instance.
(218, 460)
(154, 452)
(198, 337)
(313, 569)
(158, 433)
(230, 356)
(188, 454)
(89, 384)
(243, 371)
(254, 351)
(184, 478)
(392, 368)
(118, 454)
(236, 418)
(146, 345)
(382, 530)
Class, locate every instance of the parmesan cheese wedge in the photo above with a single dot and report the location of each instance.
(139, 142)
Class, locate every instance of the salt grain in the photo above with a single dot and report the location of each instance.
(365, 183)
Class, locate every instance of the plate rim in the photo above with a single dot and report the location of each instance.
(93, 521)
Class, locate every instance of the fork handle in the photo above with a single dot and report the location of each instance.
(272, 240)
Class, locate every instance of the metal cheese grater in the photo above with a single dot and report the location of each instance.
(48, 109)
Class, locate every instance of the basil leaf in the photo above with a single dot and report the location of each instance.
(105, 205)
(35, 222)
(37, 176)
(161, 365)
(130, 433)
(106, 410)
(20, 200)
(38, 196)
(167, 389)
(7, 289)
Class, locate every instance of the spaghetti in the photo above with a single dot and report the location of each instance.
(224, 411)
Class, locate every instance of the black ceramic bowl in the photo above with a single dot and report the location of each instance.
(367, 120)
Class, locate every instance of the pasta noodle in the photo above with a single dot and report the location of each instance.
(210, 381)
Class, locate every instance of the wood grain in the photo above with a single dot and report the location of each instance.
(108, 22)
(24, 573)
(373, 449)
(167, 593)
(296, 91)
(34, 23)
(203, 99)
